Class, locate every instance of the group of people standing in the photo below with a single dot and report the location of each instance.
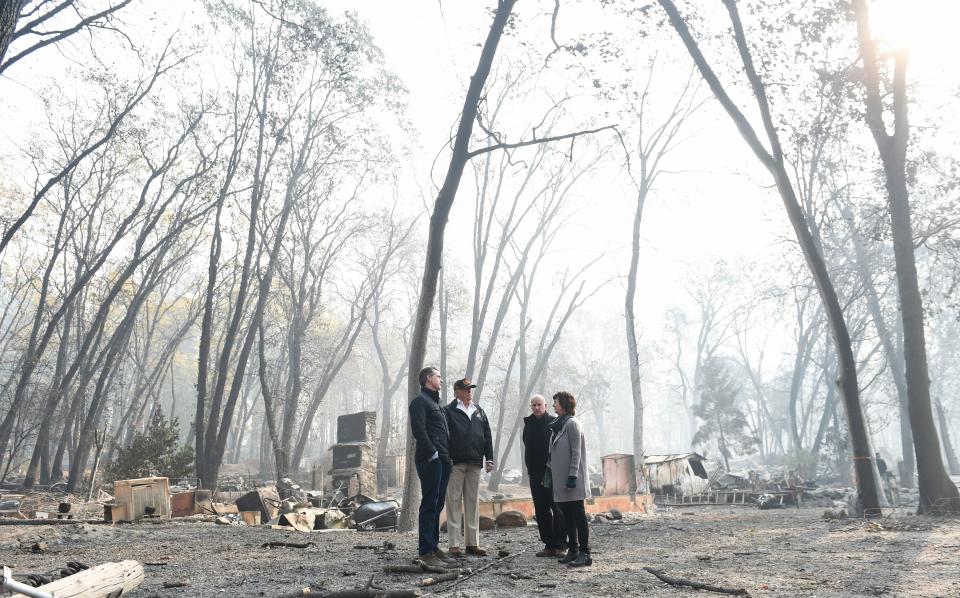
(555, 453)
(454, 445)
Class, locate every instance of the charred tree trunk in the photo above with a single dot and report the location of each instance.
(443, 307)
(389, 386)
(9, 14)
(867, 484)
(800, 363)
(633, 351)
(938, 494)
(501, 412)
(434, 255)
(948, 449)
(893, 350)
(206, 337)
(217, 438)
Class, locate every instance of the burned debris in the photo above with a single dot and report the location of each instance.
(684, 479)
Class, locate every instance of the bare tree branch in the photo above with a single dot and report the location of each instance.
(497, 146)
(29, 29)
(143, 90)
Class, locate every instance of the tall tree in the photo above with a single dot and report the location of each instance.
(534, 357)
(460, 155)
(650, 143)
(45, 325)
(891, 347)
(306, 79)
(434, 254)
(773, 160)
(938, 493)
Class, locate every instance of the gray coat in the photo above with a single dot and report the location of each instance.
(568, 457)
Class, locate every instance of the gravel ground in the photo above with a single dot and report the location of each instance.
(789, 552)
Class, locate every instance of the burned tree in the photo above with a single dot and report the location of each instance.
(937, 492)
(773, 161)
(304, 80)
(460, 155)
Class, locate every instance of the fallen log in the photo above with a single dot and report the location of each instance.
(679, 582)
(107, 580)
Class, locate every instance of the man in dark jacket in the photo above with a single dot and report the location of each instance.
(471, 449)
(536, 444)
(428, 422)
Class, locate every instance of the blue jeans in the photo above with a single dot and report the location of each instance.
(433, 488)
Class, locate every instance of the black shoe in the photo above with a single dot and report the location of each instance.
(569, 557)
(583, 560)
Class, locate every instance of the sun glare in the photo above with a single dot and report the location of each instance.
(925, 28)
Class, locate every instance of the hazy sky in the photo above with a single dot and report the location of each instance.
(434, 46)
(709, 210)
(721, 204)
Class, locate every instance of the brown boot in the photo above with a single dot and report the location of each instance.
(476, 551)
(432, 560)
(445, 557)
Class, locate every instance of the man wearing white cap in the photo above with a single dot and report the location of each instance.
(471, 450)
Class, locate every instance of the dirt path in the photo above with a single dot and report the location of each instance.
(790, 552)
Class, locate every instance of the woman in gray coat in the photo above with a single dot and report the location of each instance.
(568, 472)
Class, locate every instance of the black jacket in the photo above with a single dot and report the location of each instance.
(428, 421)
(470, 438)
(536, 441)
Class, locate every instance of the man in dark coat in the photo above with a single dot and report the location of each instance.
(536, 443)
(428, 422)
(471, 449)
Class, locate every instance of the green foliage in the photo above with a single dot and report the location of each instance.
(723, 421)
(155, 452)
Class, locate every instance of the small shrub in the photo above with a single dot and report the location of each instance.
(155, 452)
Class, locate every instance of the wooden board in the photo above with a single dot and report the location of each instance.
(109, 580)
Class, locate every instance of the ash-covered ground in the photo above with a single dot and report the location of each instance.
(786, 552)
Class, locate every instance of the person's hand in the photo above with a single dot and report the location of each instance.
(572, 482)
(489, 466)
(434, 456)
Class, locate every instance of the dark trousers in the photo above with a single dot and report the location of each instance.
(578, 530)
(434, 476)
(549, 518)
